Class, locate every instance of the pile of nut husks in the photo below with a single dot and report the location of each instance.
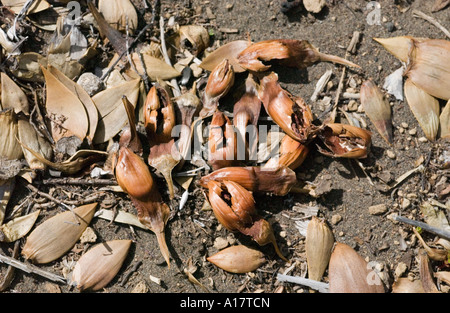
(127, 130)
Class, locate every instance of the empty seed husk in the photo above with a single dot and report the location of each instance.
(57, 235)
(349, 272)
(424, 107)
(377, 108)
(238, 259)
(345, 141)
(99, 265)
(319, 245)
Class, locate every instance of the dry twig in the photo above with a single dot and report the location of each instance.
(432, 20)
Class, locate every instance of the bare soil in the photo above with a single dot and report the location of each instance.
(345, 205)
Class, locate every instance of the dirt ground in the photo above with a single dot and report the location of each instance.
(191, 233)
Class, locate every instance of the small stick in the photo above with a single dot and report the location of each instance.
(316, 285)
(10, 271)
(77, 181)
(431, 229)
(177, 91)
(29, 268)
(131, 271)
(432, 20)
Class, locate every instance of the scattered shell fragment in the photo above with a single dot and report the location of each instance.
(18, 227)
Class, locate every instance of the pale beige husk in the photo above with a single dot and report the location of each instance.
(119, 14)
(13, 96)
(98, 266)
(397, 46)
(424, 107)
(238, 259)
(29, 137)
(429, 67)
(6, 190)
(113, 116)
(19, 227)
(350, 273)
(9, 129)
(57, 235)
(444, 119)
(318, 246)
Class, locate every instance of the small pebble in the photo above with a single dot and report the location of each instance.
(405, 203)
(88, 236)
(405, 125)
(423, 139)
(413, 131)
(378, 209)
(390, 154)
(352, 105)
(390, 26)
(91, 83)
(220, 243)
(400, 269)
(141, 287)
(336, 219)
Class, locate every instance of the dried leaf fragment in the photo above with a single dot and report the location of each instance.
(314, 6)
(98, 266)
(196, 35)
(57, 235)
(13, 96)
(238, 259)
(66, 113)
(113, 116)
(29, 137)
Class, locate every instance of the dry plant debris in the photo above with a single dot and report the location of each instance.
(133, 149)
